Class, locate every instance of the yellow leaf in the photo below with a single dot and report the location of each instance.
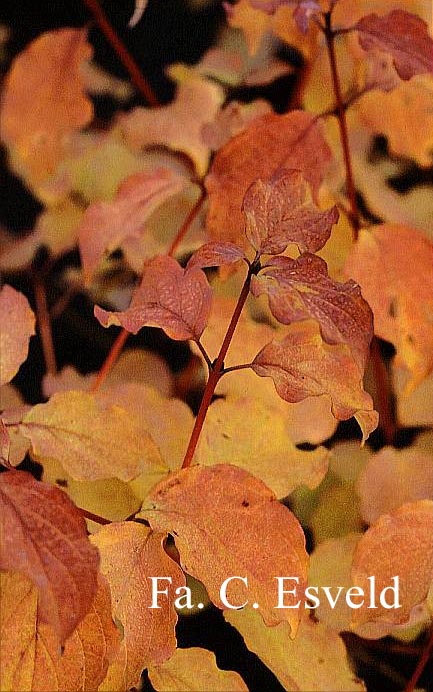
(194, 669)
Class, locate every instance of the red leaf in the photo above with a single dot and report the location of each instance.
(403, 35)
(303, 365)
(300, 289)
(270, 142)
(280, 212)
(169, 297)
(215, 254)
(106, 224)
(45, 538)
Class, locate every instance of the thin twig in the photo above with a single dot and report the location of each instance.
(424, 659)
(44, 324)
(94, 517)
(344, 135)
(122, 52)
(232, 368)
(216, 372)
(111, 359)
(187, 223)
(205, 354)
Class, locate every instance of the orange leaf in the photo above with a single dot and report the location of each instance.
(42, 107)
(31, 656)
(303, 365)
(17, 326)
(300, 289)
(402, 34)
(169, 297)
(393, 265)
(225, 523)
(215, 254)
(399, 544)
(45, 538)
(270, 142)
(106, 224)
(280, 212)
(130, 555)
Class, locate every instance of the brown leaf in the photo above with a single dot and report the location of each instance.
(398, 544)
(42, 107)
(292, 141)
(300, 289)
(216, 254)
(44, 537)
(130, 554)
(393, 265)
(392, 477)
(280, 212)
(303, 365)
(31, 657)
(106, 224)
(194, 669)
(169, 297)
(225, 522)
(402, 34)
(91, 440)
(17, 326)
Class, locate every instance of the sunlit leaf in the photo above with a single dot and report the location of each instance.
(194, 669)
(224, 522)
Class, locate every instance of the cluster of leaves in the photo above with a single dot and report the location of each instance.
(303, 282)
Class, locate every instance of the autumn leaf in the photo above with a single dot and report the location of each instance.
(402, 34)
(90, 440)
(300, 289)
(44, 537)
(303, 365)
(399, 544)
(216, 254)
(194, 669)
(280, 212)
(172, 125)
(169, 297)
(42, 108)
(17, 326)
(231, 120)
(392, 477)
(225, 522)
(315, 660)
(31, 656)
(292, 141)
(393, 264)
(105, 224)
(237, 430)
(140, 6)
(130, 555)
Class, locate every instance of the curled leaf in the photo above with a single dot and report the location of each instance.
(300, 289)
(225, 522)
(17, 326)
(216, 254)
(303, 365)
(169, 297)
(281, 211)
(402, 34)
(45, 538)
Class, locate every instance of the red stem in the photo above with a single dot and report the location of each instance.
(122, 52)
(216, 373)
(44, 324)
(94, 517)
(187, 223)
(344, 136)
(110, 360)
(424, 659)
